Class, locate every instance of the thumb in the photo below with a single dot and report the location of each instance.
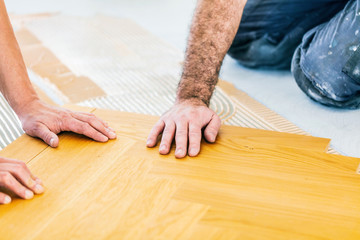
(47, 136)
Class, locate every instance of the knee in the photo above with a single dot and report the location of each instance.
(334, 90)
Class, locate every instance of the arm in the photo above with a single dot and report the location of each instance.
(213, 29)
(38, 119)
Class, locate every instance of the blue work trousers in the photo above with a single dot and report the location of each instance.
(319, 40)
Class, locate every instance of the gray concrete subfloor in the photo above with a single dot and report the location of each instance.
(170, 20)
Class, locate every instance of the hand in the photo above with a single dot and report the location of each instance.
(17, 178)
(44, 121)
(185, 121)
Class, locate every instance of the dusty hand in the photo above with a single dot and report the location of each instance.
(185, 122)
(17, 178)
(45, 121)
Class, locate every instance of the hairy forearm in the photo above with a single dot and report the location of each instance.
(213, 29)
(14, 81)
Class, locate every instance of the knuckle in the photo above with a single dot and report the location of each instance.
(159, 123)
(93, 117)
(35, 127)
(92, 121)
(19, 169)
(23, 165)
(194, 134)
(153, 133)
(5, 177)
(64, 115)
(167, 132)
(183, 117)
(195, 128)
(181, 132)
(85, 127)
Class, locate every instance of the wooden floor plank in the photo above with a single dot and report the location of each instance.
(249, 185)
(67, 172)
(141, 125)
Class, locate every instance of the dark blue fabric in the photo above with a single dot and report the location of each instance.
(270, 30)
(329, 53)
(325, 35)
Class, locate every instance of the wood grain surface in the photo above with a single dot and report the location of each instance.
(251, 184)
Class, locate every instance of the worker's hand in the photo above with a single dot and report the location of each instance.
(44, 121)
(185, 121)
(17, 178)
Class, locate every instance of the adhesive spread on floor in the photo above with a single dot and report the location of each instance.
(136, 71)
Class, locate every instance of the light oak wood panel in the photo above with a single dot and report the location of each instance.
(67, 172)
(212, 233)
(15, 150)
(239, 188)
(140, 126)
(24, 148)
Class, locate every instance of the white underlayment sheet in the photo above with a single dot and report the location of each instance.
(137, 71)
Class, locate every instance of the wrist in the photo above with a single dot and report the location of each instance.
(196, 101)
(195, 90)
(25, 105)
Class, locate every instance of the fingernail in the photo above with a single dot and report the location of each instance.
(52, 142)
(149, 142)
(162, 148)
(104, 138)
(7, 200)
(192, 152)
(112, 135)
(29, 194)
(179, 152)
(39, 188)
(212, 137)
(109, 129)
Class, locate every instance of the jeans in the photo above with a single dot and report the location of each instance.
(318, 39)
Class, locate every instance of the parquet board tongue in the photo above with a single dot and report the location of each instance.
(250, 186)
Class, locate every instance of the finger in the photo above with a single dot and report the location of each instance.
(9, 182)
(96, 123)
(167, 137)
(23, 175)
(91, 114)
(212, 129)
(194, 139)
(181, 139)
(15, 161)
(4, 198)
(43, 132)
(86, 129)
(154, 133)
